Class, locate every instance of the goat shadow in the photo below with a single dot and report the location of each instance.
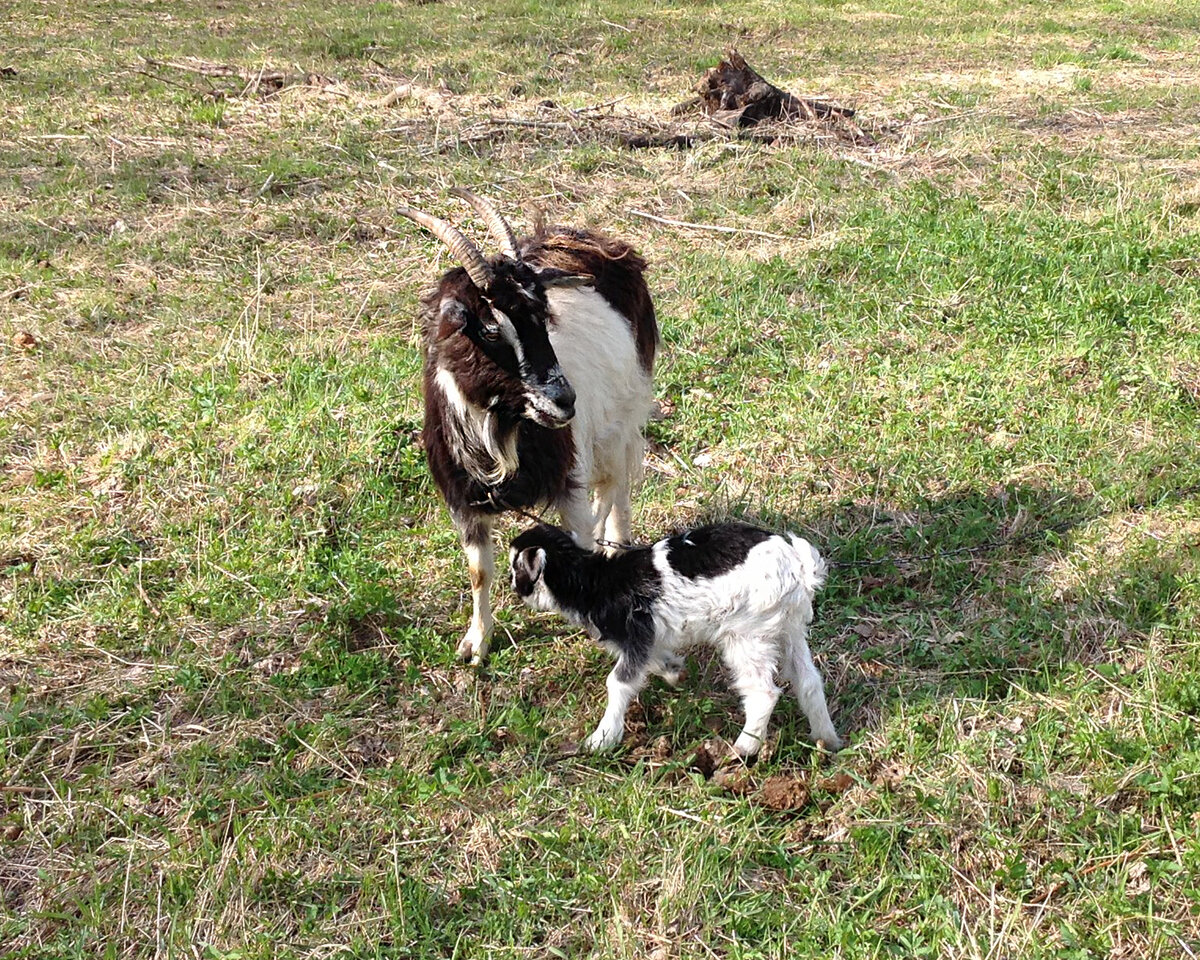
(971, 594)
(959, 597)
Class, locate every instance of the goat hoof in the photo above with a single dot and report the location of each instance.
(830, 744)
(747, 745)
(600, 742)
(473, 648)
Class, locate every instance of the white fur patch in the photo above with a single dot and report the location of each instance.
(474, 435)
(773, 586)
(598, 354)
(509, 332)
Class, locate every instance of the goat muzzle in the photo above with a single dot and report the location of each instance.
(552, 403)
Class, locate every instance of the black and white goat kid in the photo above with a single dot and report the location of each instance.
(743, 590)
(537, 380)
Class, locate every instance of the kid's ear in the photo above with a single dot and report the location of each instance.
(531, 562)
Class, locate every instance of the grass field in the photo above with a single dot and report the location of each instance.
(231, 723)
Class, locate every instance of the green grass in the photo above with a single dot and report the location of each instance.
(231, 723)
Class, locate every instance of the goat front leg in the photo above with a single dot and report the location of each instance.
(481, 564)
(624, 684)
(578, 518)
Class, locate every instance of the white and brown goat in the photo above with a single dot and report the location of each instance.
(538, 378)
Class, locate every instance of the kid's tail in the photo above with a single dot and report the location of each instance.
(814, 564)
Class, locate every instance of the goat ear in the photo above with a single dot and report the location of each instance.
(553, 277)
(532, 562)
(452, 317)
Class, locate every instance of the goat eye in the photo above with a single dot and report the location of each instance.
(491, 332)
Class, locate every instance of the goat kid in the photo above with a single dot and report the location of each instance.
(743, 590)
(537, 380)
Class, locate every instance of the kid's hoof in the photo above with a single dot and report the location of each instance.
(600, 742)
(747, 745)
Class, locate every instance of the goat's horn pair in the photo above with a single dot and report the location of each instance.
(464, 251)
(497, 226)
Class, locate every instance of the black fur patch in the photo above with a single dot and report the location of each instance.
(614, 595)
(711, 551)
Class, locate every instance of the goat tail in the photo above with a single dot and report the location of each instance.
(814, 565)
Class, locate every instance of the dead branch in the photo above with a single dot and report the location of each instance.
(735, 93)
(715, 228)
(437, 100)
(251, 81)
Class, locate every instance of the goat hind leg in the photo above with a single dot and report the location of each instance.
(619, 526)
(602, 504)
(578, 518)
(751, 665)
(758, 702)
(809, 688)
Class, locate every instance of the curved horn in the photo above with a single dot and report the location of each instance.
(464, 251)
(497, 226)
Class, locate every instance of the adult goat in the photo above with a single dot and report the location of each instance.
(537, 380)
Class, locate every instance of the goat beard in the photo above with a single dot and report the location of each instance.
(484, 445)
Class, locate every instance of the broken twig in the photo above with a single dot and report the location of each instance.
(708, 226)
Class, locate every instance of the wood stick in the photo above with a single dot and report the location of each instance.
(596, 108)
(535, 124)
(709, 226)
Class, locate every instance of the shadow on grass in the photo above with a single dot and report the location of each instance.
(971, 594)
(920, 626)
